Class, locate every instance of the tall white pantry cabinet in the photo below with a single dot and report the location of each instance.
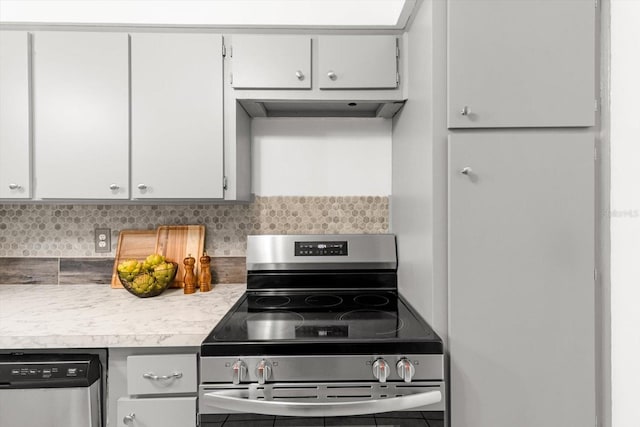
(521, 316)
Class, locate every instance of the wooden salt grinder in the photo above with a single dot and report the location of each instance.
(189, 276)
(204, 279)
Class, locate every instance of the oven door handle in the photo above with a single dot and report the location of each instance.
(226, 400)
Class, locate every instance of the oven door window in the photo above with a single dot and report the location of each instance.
(387, 419)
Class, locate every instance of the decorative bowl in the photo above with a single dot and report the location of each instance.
(148, 283)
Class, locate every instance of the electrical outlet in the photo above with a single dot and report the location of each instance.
(103, 240)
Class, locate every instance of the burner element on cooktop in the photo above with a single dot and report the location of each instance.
(273, 301)
(323, 300)
(371, 300)
(382, 322)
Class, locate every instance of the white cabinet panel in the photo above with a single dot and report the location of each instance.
(162, 374)
(177, 116)
(15, 168)
(357, 62)
(271, 62)
(521, 285)
(525, 63)
(165, 412)
(81, 99)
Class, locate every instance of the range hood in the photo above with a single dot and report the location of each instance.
(320, 108)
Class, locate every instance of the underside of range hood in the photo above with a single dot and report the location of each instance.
(313, 108)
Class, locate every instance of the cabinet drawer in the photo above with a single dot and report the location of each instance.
(162, 374)
(157, 412)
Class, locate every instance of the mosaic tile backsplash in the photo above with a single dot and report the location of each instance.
(65, 231)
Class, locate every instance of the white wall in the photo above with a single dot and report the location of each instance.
(321, 157)
(625, 212)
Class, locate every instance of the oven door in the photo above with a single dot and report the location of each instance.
(389, 404)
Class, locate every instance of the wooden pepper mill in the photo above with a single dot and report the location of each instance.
(204, 278)
(189, 275)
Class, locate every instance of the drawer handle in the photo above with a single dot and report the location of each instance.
(154, 377)
(128, 419)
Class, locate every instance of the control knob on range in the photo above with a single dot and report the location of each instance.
(239, 369)
(381, 370)
(263, 371)
(405, 369)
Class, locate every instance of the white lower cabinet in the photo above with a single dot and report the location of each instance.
(521, 278)
(152, 387)
(157, 412)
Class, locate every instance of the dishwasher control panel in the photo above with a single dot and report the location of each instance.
(36, 370)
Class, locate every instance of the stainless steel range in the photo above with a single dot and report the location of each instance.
(322, 332)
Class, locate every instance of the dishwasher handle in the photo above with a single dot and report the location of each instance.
(232, 400)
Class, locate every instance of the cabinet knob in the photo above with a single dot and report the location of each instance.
(13, 186)
(465, 170)
(128, 419)
(300, 75)
(142, 186)
(465, 111)
(332, 75)
(114, 187)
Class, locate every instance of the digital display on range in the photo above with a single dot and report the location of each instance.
(321, 248)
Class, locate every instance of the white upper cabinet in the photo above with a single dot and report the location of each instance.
(525, 63)
(357, 62)
(81, 98)
(271, 62)
(176, 116)
(15, 173)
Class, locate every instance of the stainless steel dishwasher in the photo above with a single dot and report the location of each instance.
(45, 390)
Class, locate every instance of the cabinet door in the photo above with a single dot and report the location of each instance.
(157, 412)
(176, 116)
(81, 98)
(15, 168)
(271, 62)
(521, 279)
(525, 63)
(357, 62)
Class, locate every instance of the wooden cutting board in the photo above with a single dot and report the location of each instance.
(176, 242)
(132, 244)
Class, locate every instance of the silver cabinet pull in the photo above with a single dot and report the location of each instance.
(238, 401)
(465, 111)
(465, 170)
(142, 187)
(154, 377)
(300, 75)
(13, 186)
(128, 419)
(114, 187)
(332, 75)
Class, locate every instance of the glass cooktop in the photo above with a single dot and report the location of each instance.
(289, 323)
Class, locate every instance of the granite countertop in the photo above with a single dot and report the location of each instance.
(93, 316)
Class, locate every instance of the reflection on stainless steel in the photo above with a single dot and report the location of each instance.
(321, 400)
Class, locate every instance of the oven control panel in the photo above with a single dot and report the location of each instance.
(321, 248)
